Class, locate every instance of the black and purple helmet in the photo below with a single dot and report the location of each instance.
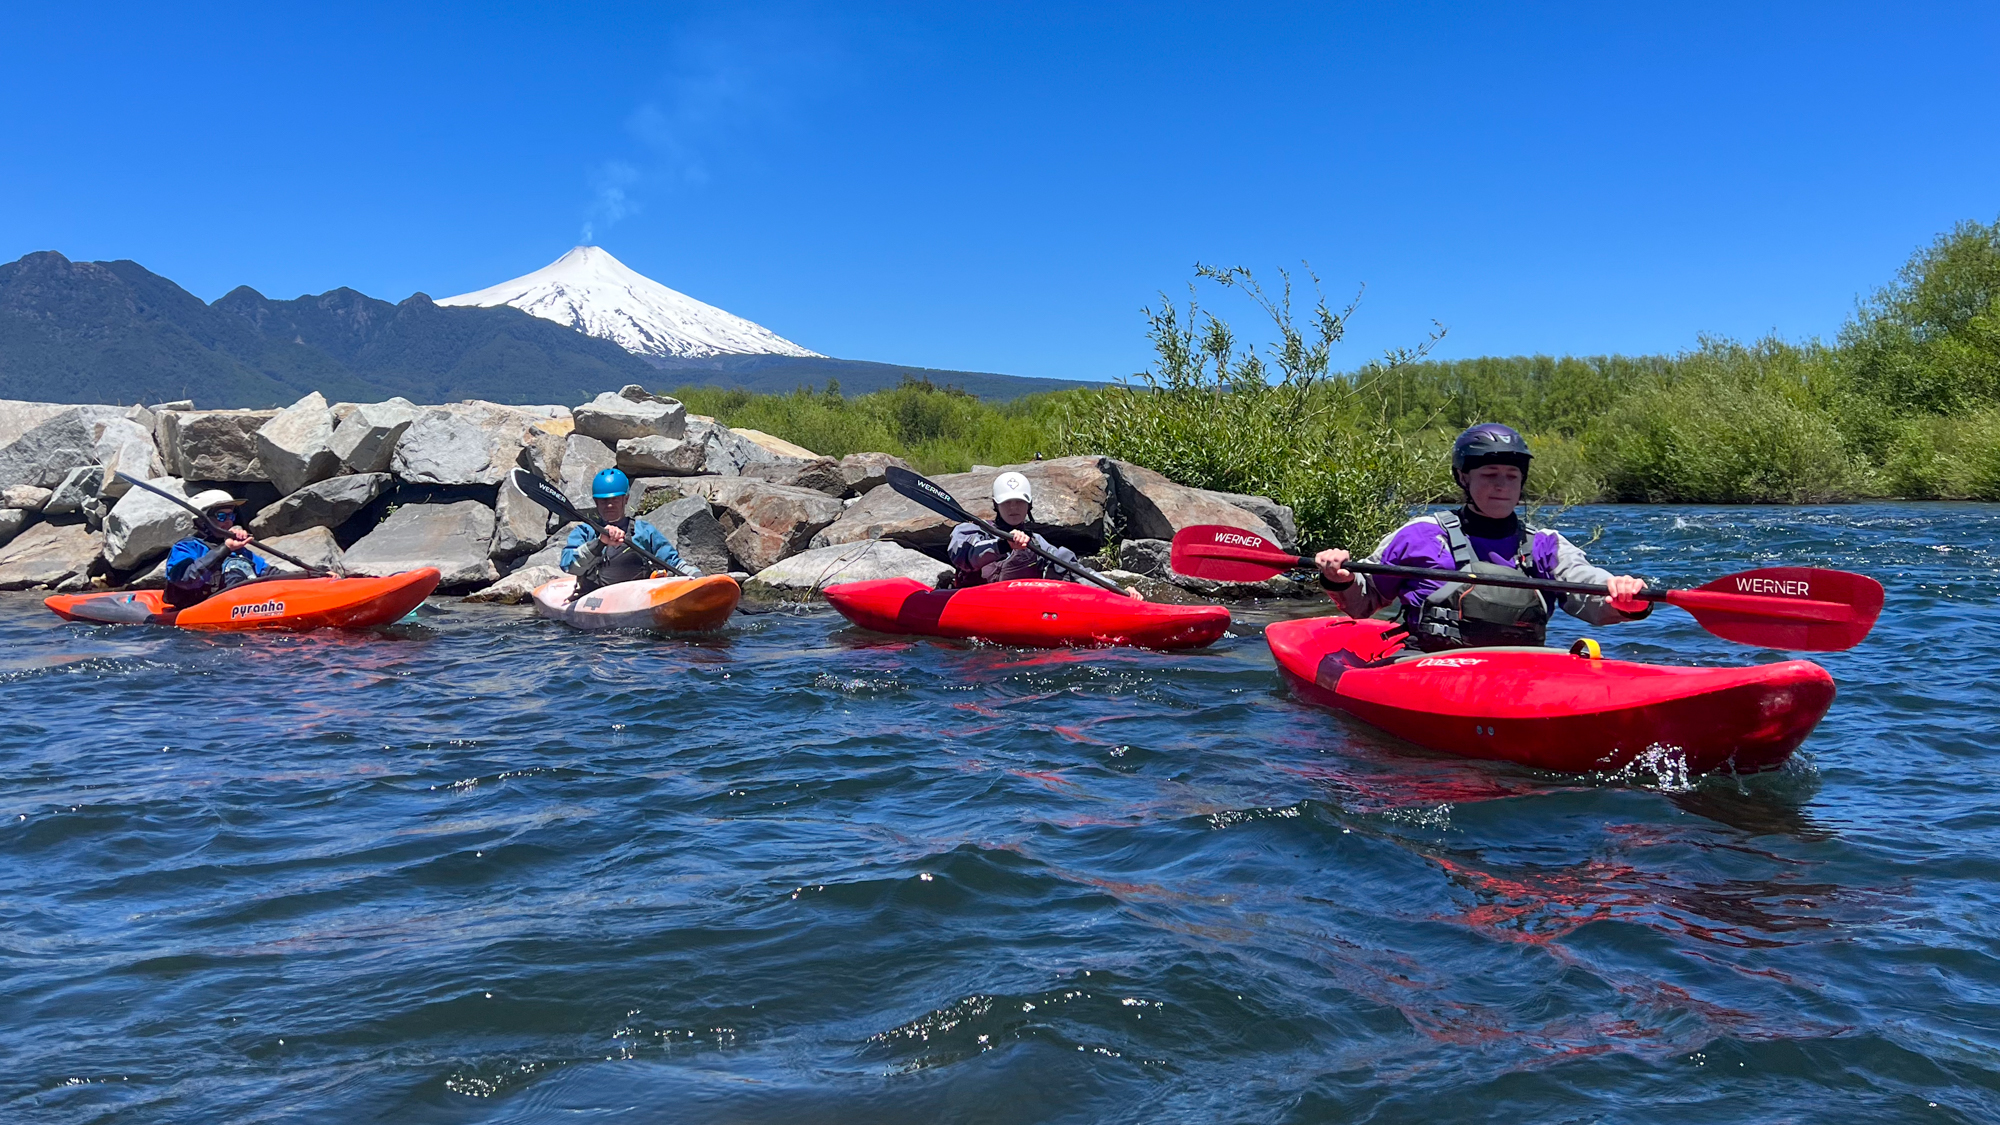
(1489, 443)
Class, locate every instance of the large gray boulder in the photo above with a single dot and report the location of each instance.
(662, 456)
(48, 554)
(364, 440)
(690, 525)
(296, 446)
(141, 525)
(521, 526)
(820, 474)
(45, 453)
(727, 450)
(517, 588)
(542, 451)
(13, 521)
(851, 562)
(456, 538)
(1076, 506)
(464, 443)
(611, 418)
(18, 417)
(865, 472)
(765, 522)
(125, 445)
(551, 555)
(326, 503)
(1153, 507)
(315, 545)
(213, 445)
(583, 458)
(79, 487)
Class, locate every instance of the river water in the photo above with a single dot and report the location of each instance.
(487, 869)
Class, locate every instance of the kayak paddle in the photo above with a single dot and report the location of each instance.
(1792, 607)
(552, 498)
(218, 530)
(926, 492)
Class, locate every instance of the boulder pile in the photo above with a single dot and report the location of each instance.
(376, 488)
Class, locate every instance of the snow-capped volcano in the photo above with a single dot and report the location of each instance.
(595, 293)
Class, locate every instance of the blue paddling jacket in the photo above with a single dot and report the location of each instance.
(198, 569)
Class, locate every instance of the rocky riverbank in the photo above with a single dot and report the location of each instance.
(376, 488)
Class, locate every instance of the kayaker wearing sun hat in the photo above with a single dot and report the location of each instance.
(603, 557)
(206, 563)
(1490, 463)
(981, 557)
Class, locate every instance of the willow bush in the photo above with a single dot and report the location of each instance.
(1213, 413)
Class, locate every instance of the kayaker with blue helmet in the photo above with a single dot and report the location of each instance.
(603, 557)
(981, 557)
(211, 560)
(1490, 463)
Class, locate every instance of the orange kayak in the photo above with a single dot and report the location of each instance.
(664, 605)
(296, 604)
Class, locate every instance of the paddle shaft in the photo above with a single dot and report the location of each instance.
(216, 528)
(1790, 608)
(940, 501)
(551, 497)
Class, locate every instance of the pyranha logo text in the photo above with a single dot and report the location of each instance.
(257, 609)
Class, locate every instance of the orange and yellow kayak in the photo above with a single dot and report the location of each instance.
(296, 604)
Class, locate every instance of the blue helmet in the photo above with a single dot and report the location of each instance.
(608, 483)
(1489, 443)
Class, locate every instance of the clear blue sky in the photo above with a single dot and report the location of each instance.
(1001, 187)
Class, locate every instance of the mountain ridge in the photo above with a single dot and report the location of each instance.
(115, 332)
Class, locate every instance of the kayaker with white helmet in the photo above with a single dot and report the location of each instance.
(980, 557)
(602, 557)
(211, 561)
(1490, 463)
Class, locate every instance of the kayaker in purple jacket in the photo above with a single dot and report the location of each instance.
(1490, 463)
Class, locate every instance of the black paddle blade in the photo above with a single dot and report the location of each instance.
(546, 494)
(923, 491)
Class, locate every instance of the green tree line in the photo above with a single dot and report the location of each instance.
(1905, 403)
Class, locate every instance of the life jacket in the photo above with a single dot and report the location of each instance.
(1462, 615)
(618, 564)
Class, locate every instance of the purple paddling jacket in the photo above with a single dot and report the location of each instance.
(1421, 542)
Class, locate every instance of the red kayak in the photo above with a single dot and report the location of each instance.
(297, 604)
(1549, 709)
(1031, 611)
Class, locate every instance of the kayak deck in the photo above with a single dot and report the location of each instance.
(1548, 709)
(295, 604)
(665, 605)
(1032, 612)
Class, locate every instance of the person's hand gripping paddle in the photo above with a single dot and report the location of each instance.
(1788, 607)
(926, 492)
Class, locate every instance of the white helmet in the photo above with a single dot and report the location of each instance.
(214, 500)
(1012, 486)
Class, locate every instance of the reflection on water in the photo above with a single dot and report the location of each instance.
(482, 868)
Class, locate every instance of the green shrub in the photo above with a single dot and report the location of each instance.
(1930, 341)
(1934, 458)
(1211, 414)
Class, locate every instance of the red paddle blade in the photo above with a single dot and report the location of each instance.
(1227, 554)
(1793, 607)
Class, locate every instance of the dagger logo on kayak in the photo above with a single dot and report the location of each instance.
(1795, 588)
(257, 609)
